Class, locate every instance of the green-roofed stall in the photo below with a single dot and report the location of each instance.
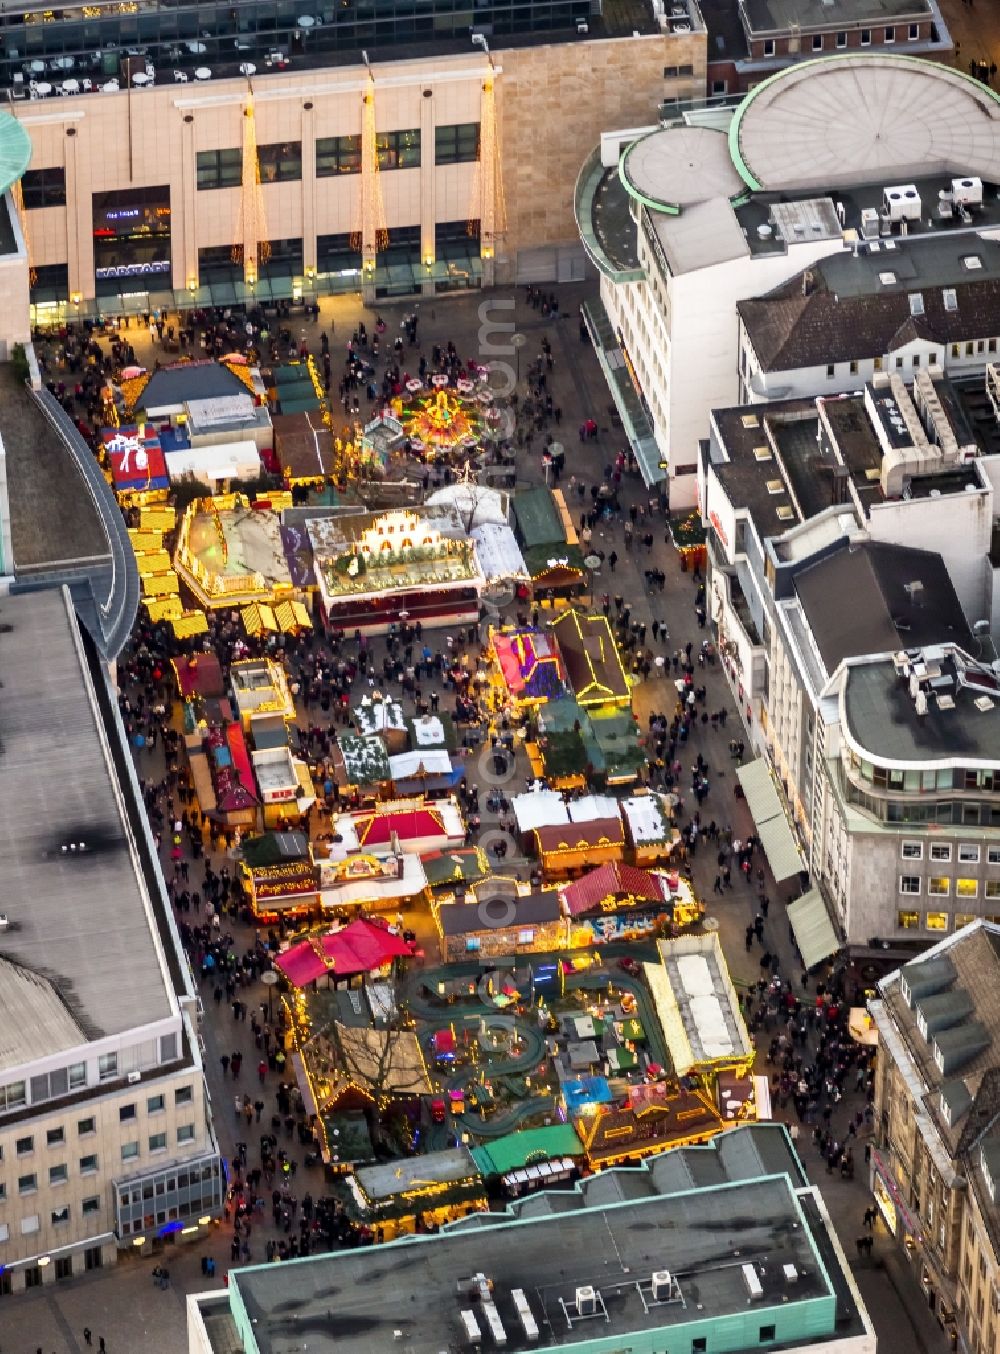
(529, 1147)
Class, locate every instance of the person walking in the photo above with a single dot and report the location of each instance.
(88, 1338)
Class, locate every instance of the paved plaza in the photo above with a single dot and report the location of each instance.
(124, 1305)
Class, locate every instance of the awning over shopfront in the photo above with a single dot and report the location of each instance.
(769, 818)
(813, 929)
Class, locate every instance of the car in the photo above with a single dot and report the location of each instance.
(438, 1111)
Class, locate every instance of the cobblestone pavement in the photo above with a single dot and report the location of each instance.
(123, 1304)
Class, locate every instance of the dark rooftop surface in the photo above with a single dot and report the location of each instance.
(856, 602)
(882, 718)
(190, 381)
(613, 224)
(781, 15)
(858, 445)
(53, 520)
(727, 40)
(752, 479)
(354, 1302)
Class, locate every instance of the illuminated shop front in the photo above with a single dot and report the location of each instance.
(132, 241)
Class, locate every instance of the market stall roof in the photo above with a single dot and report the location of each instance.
(365, 759)
(433, 731)
(389, 1060)
(530, 1145)
(585, 1091)
(359, 947)
(814, 933)
(137, 464)
(389, 1179)
(770, 820)
(608, 881)
(592, 659)
(274, 848)
(182, 381)
(210, 465)
(304, 446)
(530, 664)
(410, 765)
(499, 555)
(648, 819)
(464, 866)
(539, 808)
(538, 519)
(581, 836)
(377, 716)
(697, 1004)
(478, 504)
(199, 675)
(490, 912)
(589, 807)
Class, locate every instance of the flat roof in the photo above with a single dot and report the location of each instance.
(816, 123)
(78, 920)
(882, 718)
(777, 16)
(420, 1286)
(679, 166)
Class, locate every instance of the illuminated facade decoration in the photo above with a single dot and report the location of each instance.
(529, 666)
(373, 236)
(17, 193)
(230, 555)
(252, 248)
(488, 204)
(647, 1120)
(568, 848)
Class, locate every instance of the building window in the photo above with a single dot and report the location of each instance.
(854, 368)
(940, 851)
(456, 143)
(156, 1104)
(866, 37)
(831, 371)
(817, 42)
(992, 889)
(936, 921)
(125, 1113)
(185, 1133)
(685, 70)
(719, 87)
(13, 1096)
(767, 1333)
(86, 1126)
(55, 1137)
(184, 1095)
(23, 1146)
(158, 1142)
(339, 254)
(107, 1067)
(841, 39)
(912, 850)
(970, 349)
(130, 1150)
(93, 1258)
(964, 919)
(939, 886)
(907, 920)
(4, 1231)
(58, 1175)
(968, 853)
(890, 35)
(60, 1215)
(44, 187)
(337, 155)
(769, 46)
(88, 1164)
(3, 1192)
(77, 1076)
(669, 72)
(914, 32)
(49, 1085)
(33, 1274)
(966, 888)
(398, 150)
(991, 345)
(909, 883)
(280, 162)
(27, 1184)
(64, 1267)
(92, 1204)
(220, 169)
(168, 1048)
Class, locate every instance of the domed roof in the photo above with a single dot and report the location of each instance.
(676, 167)
(15, 151)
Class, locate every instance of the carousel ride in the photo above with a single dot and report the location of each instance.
(445, 424)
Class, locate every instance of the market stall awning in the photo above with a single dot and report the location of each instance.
(258, 618)
(769, 818)
(358, 948)
(813, 929)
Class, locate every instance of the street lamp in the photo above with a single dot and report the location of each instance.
(518, 340)
(592, 564)
(269, 979)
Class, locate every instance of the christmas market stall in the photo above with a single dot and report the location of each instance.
(698, 1009)
(500, 919)
(398, 1198)
(649, 826)
(450, 874)
(376, 569)
(425, 772)
(230, 553)
(222, 775)
(198, 675)
(409, 825)
(278, 876)
(362, 947)
(379, 714)
(303, 445)
(592, 660)
(687, 531)
(644, 1120)
(528, 667)
(531, 1159)
(545, 532)
(576, 846)
(366, 880)
(260, 687)
(361, 767)
(285, 784)
(136, 464)
(614, 902)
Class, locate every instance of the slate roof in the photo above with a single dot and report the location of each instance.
(789, 330)
(856, 603)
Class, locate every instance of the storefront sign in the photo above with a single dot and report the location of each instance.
(134, 269)
(713, 517)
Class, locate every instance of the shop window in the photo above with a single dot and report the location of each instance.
(909, 883)
(456, 143)
(33, 1274)
(337, 155)
(936, 921)
(220, 169)
(398, 150)
(131, 232)
(338, 254)
(966, 888)
(44, 187)
(93, 1258)
(939, 886)
(907, 920)
(280, 162)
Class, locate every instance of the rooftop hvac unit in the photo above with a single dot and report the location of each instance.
(869, 223)
(902, 202)
(473, 1335)
(586, 1300)
(494, 1323)
(967, 192)
(791, 1273)
(752, 1280)
(663, 1284)
(134, 1077)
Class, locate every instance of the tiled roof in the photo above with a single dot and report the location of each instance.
(608, 881)
(580, 836)
(789, 330)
